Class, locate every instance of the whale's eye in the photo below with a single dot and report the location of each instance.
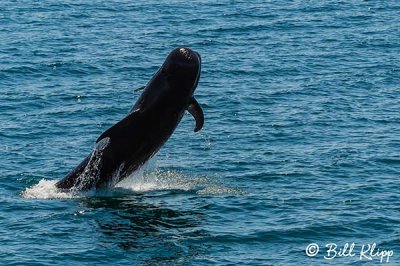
(163, 71)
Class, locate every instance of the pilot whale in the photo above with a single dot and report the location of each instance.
(127, 145)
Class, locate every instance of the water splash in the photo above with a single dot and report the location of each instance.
(46, 189)
(146, 179)
(158, 180)
(91, 172)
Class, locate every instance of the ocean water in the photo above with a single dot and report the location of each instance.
(301, 142)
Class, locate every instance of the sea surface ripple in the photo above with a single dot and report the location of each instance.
(301, 142)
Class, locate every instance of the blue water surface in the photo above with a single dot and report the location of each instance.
(301, 142)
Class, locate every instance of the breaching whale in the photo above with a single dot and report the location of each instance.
(127, 145)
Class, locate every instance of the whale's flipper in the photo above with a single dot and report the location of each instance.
(121, 128)
(196, 111)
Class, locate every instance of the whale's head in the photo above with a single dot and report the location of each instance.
(182, 70)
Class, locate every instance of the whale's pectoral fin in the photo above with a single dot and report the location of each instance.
(196, 111)
(122, 128)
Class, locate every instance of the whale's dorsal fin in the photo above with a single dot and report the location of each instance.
(196, 111)
(122, 126)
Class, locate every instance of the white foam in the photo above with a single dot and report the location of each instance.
(46, 189)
